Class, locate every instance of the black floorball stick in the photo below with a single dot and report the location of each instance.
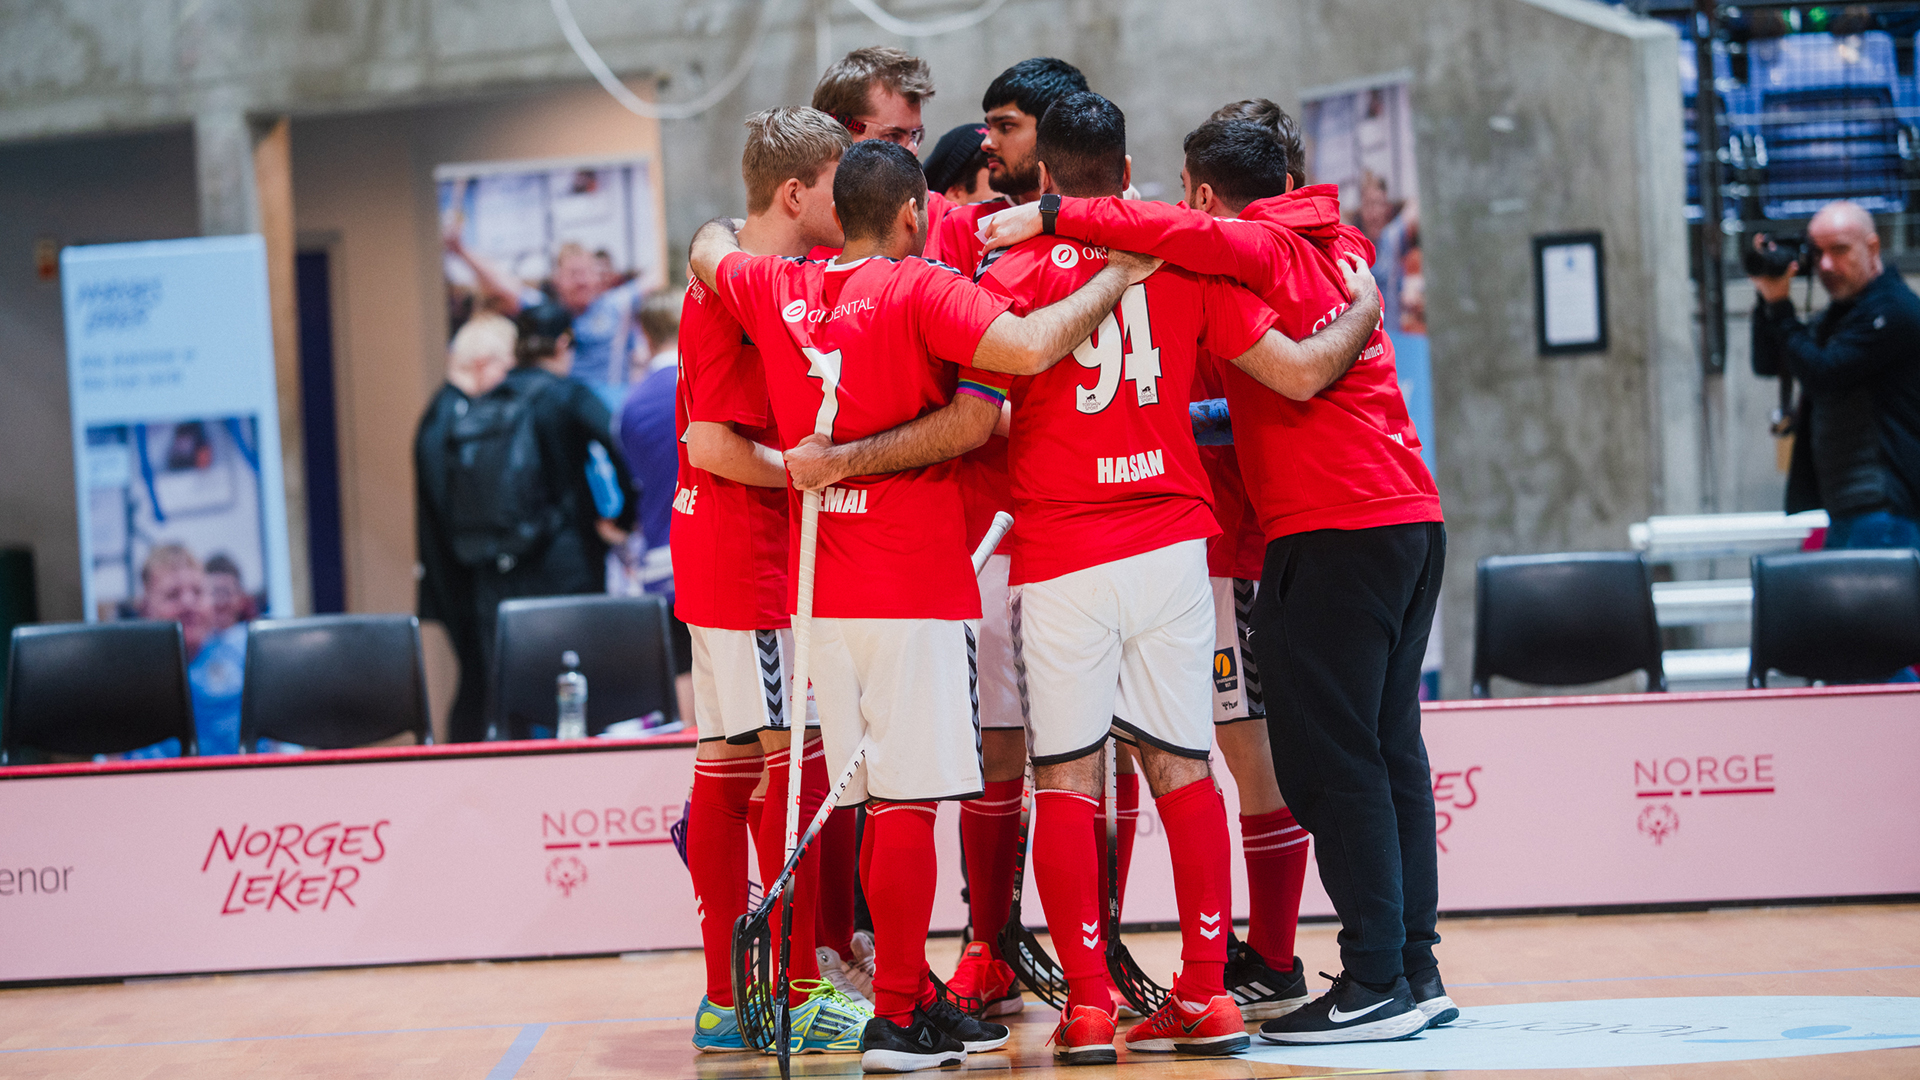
(760, 991)
(1024, 952)
(1141, 992)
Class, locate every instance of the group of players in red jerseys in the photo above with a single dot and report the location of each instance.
(1224, 533)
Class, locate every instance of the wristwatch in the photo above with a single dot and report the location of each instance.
(1049, 210)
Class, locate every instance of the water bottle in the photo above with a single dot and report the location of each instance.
(570, 691)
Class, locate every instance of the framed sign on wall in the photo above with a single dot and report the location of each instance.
(1570, 293)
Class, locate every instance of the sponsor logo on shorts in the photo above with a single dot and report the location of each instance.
(838, 500)
(683, 499)
(1125, 470)
(1226, 673)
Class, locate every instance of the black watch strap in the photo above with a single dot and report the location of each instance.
(1049, 210)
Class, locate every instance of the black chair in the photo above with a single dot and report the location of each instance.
(625, 653)
(79, 689)
(334, 681)
(1835, 616)
(1565, 620)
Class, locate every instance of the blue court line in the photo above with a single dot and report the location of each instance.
(517, 1054)
(338, 1035)
(1653, 978)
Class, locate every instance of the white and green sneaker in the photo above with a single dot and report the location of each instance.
(716, 1030)
(828, 1022)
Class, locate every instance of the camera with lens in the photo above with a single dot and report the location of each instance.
(1769, 255)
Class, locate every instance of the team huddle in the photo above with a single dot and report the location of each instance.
(1223, 535)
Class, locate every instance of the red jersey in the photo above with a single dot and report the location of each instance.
(1107, 468)
(854, 350)
(729, 539)
(1348, 458)
(958, 237)
(1240, 551)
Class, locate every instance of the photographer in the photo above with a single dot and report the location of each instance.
(1856, 428)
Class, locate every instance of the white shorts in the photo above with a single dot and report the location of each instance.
(1126, 644)
(999, 692)
(1236, 677)
(741, 683)
(910, 685)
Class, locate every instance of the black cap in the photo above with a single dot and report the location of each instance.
(956, 150)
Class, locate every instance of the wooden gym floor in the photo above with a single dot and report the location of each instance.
(629, 1017)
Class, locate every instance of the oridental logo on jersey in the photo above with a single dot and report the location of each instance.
(796, 310)
(1068, 256)
(683, 499)
(1125, 470)
(837, 500)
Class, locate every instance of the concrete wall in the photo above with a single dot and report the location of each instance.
(72, 191)
(1532, 116)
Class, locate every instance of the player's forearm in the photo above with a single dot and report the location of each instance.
(1184, 237)
(1015, 345)
(1301, 369)
(715, 241)
(961, 425)
(722, 451)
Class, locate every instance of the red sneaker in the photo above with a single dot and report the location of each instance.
(982, 985)
(1214, 1030)
(1084, 1037)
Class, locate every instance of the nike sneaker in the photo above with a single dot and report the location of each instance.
(975, 1034)
(1261, 991)
(1430, 995)
(828, 1022)
(983, 985)
(887, 1047)
(836, 971)
(1349, 1013)
(716, 1030)
(1084, 1037)
(1212, 1030)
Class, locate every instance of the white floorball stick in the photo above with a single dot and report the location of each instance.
(1002, 521)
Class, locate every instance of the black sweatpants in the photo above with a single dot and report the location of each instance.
(1339, 630)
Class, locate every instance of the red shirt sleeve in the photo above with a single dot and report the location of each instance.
(1200, 242)
(725, 382)
(1235, 318)
(954, 313)
(743, 282)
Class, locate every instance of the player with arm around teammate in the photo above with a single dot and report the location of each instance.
(852, 348)
(1355, 552)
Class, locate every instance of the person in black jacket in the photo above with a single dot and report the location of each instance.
(480, 356)
(1856, 449)
(564, 548)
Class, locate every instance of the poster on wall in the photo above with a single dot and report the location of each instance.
(1360, 138)
(176, 433)
(588, 234)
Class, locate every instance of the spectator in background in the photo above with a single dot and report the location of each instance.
(601, 308)
(647, 431)
(231, 603)
(173, 588)
(479, 359)
(957, 168)
(1856, 429)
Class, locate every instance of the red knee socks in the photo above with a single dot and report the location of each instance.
(899, 843)
(1195, 818)
(770, 842)
(1276, 851)
(717, 859)
(1063, 831)
(990, 837)
(839, 845)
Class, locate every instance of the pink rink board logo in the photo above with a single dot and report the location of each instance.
(291, 867)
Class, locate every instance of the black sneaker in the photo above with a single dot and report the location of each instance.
(1430, 995)
(1261, 991)
(1349, 1013)
(971, 1032)
(887, 1047)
